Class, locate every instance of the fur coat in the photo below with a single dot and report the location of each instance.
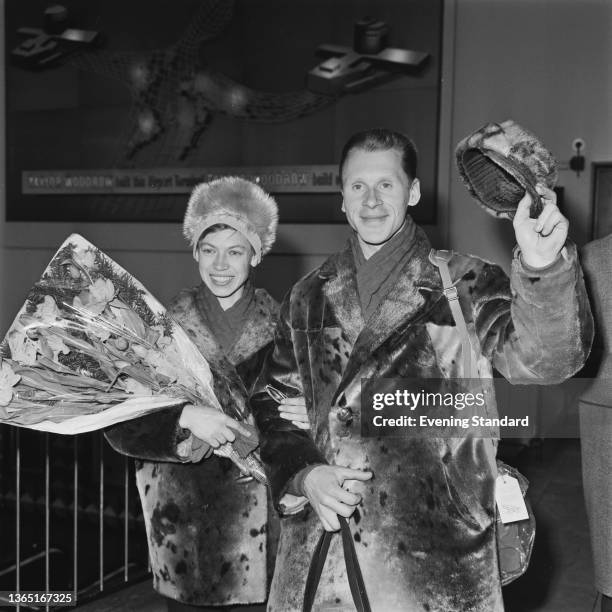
(207, 533)
(596, 413)
(425, 528)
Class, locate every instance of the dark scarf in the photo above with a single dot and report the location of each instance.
(378, 274)
(226, 325)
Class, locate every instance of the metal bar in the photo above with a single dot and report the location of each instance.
(28, 560)
(126, 484)
(18, 513)
(101, 510)
(47, 513)
(75, 518)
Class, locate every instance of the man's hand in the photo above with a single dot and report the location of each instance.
(210, 425)
(294, 409)
(323, 488)
(541, 239)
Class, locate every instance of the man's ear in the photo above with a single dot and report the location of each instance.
(254, 260)
(415, 193)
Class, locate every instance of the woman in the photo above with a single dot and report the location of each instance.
(207, 528)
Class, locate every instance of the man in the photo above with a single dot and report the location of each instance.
(422, 508)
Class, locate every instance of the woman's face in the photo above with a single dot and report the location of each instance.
(224, 260)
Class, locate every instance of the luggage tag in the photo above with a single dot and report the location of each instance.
(509, 499)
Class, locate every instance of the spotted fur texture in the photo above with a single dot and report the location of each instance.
(425, 530)
(208, 535)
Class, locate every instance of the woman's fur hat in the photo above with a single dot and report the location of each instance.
(236, 202)
(499, 162)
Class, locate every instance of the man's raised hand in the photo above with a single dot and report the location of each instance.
(541, 239)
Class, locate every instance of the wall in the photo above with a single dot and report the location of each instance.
(155, 252)
(545, 64)
(540, 62)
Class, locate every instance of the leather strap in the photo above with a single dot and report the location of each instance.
(355, 578)
(440, 259)
(470, 347)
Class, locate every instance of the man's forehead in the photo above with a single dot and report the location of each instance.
(360, 161)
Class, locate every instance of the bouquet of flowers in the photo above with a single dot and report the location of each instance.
(91, 347)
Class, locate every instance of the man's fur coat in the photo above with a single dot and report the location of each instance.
(425, 528)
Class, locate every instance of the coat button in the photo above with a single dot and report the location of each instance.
(344, 414)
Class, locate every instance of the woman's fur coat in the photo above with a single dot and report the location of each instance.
(207, 533)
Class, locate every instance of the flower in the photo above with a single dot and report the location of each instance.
(8, 379)
(133, 386)
(96, 297)
(22, 348)
(47, 311)
(84, 257)
(57, 346)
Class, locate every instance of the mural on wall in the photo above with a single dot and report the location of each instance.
(129, 106)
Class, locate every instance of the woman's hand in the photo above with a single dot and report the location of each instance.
(294, 409)
(211, 425)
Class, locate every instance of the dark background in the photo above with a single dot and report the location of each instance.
(81, 115)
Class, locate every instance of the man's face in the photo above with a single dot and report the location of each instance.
(224, 259)
(376, 194)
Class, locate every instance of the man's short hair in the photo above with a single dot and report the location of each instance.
(382, 139)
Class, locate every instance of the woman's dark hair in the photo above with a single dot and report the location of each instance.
(217, 227)
(382, 139)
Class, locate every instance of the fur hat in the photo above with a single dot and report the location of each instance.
(236, 202)
(499, 162)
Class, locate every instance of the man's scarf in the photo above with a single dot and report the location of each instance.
(378, 274)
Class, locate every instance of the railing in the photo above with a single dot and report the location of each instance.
(70, 518)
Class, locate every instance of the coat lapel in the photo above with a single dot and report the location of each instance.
(418, 288)
(186, 311)
(258, 329)
(340, 292)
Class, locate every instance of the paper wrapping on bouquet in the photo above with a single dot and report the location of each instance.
(91, 347)
(499, 162)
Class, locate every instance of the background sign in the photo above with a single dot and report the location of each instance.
(114, 108)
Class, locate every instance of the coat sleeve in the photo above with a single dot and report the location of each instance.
(284, 448)
(538, 326)
(157, 437)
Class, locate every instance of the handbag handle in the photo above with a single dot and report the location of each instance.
(356, 583)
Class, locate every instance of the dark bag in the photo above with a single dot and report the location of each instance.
(358, 590)
(514, 540)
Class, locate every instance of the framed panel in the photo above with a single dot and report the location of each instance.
(602, 199)
(206, 87)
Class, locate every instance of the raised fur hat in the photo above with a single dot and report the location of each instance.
(236, 202)
(499, 162)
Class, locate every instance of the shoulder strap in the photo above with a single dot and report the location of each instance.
(356, 583)
(440, 259)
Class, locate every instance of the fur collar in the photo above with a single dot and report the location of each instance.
(258, 329)
(418, 289)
